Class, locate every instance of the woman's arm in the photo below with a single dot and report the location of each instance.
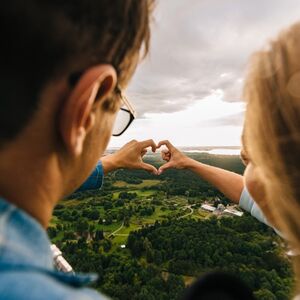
(228, 183)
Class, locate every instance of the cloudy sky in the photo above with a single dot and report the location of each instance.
(188, 90)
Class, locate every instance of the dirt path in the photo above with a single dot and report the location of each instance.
(188, 214)
(113, 233)
(121, 234)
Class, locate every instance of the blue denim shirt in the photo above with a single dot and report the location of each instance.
(26, 262)
(94, 181)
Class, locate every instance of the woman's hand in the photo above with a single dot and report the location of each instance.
(173, 157)
(130, 157)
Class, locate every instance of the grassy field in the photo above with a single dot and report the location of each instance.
(127, 230)
(72, 202)
(145, 183)
(119, 240)
(178, 200)
(199, 213)
(170, 207)
(140, 193)
(136, 222)
(109, 228)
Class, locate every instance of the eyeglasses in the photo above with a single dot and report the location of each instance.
(125, 115)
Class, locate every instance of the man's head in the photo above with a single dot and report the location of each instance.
(60, 64)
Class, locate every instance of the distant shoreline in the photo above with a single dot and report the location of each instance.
(217, 150)
(183, 148)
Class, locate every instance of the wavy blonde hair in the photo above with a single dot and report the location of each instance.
(272, 129)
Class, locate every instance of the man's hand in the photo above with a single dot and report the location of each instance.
(173, 157)
(130, 157)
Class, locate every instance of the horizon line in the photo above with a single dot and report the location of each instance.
(210, 146)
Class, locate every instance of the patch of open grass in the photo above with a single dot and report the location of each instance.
(109, 228)
(119, 240)
(72, 202)
(145, 183)
(127, 230)
(139, 193)
(147, 193)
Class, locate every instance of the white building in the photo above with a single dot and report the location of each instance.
(208, 207)
(221, 207)
(233, 212)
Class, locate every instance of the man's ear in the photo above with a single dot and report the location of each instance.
(77, 115)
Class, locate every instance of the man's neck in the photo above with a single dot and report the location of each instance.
(30, 183)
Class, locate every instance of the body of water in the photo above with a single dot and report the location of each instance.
(218, 151)
(210, 150)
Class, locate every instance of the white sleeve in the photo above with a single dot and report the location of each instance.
(248, 204)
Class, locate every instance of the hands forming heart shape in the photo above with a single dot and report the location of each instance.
(130, 156)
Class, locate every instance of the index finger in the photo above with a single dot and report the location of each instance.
(165, 143)
(148, 143)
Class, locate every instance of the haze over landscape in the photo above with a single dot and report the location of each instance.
(184, 203)
(188, 89)
(148, 236)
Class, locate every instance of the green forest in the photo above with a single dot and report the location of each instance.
(147, 237)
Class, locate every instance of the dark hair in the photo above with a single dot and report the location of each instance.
(44, 39)
(218, 285)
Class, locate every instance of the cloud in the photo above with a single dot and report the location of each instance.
(236, 119)
(202, 46)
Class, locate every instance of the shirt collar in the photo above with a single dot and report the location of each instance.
(24, 245)
(23, 241)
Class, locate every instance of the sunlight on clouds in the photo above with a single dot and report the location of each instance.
(209, 108)
(197, 125)
(196, 49)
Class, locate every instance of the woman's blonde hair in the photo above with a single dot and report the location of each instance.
(272, 128)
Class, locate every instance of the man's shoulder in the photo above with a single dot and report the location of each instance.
(38, 285)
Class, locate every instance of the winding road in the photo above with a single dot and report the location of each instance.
(188, 214)
(117, 230)
(126, 234)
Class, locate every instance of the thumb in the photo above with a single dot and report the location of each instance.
(164, 167)
(165, 155)
(149, 168)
